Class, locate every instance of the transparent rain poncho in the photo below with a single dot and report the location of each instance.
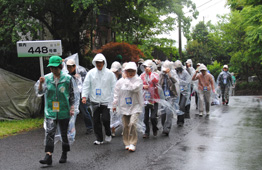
(81, 72)
(169, 100)
(185, 89)
(71, 129)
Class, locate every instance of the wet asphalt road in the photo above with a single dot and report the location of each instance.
(230, 139)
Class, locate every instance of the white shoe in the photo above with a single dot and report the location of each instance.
(98, 143)
(127, 147)
(200, 113)
(108, 138)
(132, 148)
(207, 114)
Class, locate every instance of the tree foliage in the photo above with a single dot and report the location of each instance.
(127, 51)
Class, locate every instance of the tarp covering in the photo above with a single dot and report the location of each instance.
(17, 97)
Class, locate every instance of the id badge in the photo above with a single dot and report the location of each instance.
(167, 93)
(56, 106)
(98, 92)
(205, 88)
(128, 100)
(147, 95)
(225, 79)
(181, 88)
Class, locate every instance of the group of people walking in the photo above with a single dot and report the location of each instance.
(149, 88)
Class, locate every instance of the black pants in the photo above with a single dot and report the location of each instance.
(101, 113)
(51, 127)
(154, 109)
(196, 99)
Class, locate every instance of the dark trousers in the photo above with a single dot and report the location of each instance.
(154, 109)
(87, 117)
(196, 99)
(101, 117)
(51, 127)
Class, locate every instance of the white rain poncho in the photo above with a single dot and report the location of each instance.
(99, 85)
(128, 95)
(71, 128)
(128, 98)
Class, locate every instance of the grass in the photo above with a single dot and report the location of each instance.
(14, 127)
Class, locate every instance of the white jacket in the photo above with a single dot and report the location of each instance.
(128, 95)
(99, 84)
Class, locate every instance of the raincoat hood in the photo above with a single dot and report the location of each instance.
(100, 57)
(166, 65)
(189, 61)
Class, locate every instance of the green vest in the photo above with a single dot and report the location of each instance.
(58, 93)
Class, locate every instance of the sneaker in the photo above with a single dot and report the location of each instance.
(127, 147)
(145, 136)
(108, 138)
(132, 148)
(98, 143)
(201, 114)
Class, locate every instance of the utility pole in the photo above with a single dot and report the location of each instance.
(179, 37)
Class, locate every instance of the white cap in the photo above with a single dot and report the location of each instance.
(225, 66)
(115, 66)
(70, 62)
(202, 67)
(148, 63)
(178, 64)
(166, 65)
(130, 66)
(198, 64)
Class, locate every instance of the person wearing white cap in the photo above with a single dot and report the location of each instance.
(150, 83)
(78, 74)
(195, 88)
(205, 85)
(116, 68)
(128, 98)
(184, 84)
(167, 81)
(191, 71)
(99, 88)
(224, 81)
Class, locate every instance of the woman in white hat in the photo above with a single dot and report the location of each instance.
(205, 85)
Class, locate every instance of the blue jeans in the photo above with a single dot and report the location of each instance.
(87, 117)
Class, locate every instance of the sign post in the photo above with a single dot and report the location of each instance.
(39, 49)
